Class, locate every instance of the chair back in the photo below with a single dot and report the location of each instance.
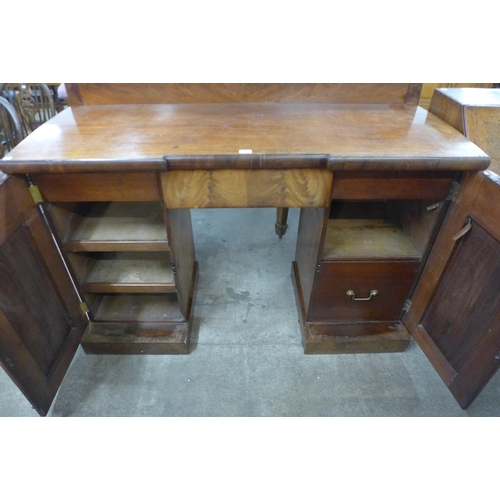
(11, 132)
(33, 103)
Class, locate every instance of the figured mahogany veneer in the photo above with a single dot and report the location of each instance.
(246, 188)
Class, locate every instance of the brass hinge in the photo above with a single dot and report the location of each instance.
(84, 307)
(454, 190)
(35, 194)
(407, 306)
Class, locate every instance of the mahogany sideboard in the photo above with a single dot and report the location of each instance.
(96, 241)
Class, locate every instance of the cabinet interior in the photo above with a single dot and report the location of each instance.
(120, 256)
(391, 230)
(149, 308)
(111, 226)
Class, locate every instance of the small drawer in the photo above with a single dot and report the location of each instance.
(126, 186)
(377, 290)
(386, 185)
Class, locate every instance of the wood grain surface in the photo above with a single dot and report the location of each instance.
(126, 187)
(473, 112)
(108, 227)
(377, 185)
(483, 126)
(347, 337)
(354, 137)
(367, 239)
(392, 280)
(246, 188)
(168, 93)
(15, 204)
(471, 279)
(136, 338)
(40, 319)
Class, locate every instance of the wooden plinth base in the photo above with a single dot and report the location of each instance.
(126, 338)
(347, 338)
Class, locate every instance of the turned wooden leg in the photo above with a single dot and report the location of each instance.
(281, 217)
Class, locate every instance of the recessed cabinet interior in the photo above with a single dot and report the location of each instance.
(119, 255)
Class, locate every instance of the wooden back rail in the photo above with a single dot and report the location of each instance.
(190, 93)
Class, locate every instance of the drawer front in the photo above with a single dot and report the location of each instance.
(386, 285)
(225, 188)
(392, 185)
(127, 186)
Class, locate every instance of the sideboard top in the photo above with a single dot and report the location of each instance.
(143, 136)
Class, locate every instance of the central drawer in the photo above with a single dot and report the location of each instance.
(384, 286)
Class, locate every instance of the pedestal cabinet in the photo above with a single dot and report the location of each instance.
(354, 283)
(88, 260)
(132, 261)
(367, 274)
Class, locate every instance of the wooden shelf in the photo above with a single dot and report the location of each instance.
(127, 272)
(367, 239)
(148, 308)
(120, 227)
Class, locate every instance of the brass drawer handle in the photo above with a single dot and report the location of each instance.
(353, 295)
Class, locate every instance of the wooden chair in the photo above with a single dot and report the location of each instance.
(10, 127)
(33, 103)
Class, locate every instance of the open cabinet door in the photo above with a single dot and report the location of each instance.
(455, 313)
(41, 321)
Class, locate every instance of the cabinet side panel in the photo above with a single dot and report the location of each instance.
(15, 202)
(182, 255)
(312, 225)
(483, 128)
(446, 108)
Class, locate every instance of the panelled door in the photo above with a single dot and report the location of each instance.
(41, 318)
(455, 314)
